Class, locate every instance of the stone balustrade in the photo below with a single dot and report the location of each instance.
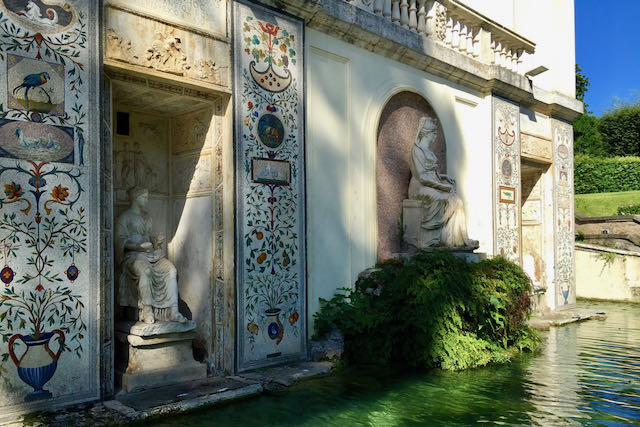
(457, 26)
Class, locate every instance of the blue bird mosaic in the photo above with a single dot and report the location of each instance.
(30, 81)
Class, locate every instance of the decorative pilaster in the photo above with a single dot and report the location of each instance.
(565, 286)
(506, 179)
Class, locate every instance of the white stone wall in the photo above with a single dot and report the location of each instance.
(347, 90)
(604, 273)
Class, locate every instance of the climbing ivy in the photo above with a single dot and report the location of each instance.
(433, 310)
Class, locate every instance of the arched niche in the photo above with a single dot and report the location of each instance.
(397, 129)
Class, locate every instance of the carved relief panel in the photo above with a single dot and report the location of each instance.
(152, 45)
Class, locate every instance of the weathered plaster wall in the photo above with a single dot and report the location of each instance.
(50, 218)
(348, 89)
(604, 273)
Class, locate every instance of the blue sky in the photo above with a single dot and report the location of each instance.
(608, 50)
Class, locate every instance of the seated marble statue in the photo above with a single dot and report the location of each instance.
(148, 280)
(443, 217)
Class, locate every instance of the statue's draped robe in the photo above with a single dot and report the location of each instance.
(146, 278)
(443, 216)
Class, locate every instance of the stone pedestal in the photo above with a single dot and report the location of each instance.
(158, 354)
(414, 234)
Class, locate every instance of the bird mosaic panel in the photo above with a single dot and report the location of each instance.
(48, 215)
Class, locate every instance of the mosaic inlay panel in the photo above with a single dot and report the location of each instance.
(564, 225)
(269, 125)
(49, 239)
(506, 179)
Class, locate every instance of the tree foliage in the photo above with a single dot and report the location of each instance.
(582, 85)
(620, 130)
(434, 310)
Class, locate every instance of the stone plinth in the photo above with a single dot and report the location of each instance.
(157, 354)
(412, 218)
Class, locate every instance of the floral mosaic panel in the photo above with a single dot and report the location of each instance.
(47, 292)
(506, 179)
(564, 225)
(270, 189)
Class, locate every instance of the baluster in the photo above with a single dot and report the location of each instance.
(470, 40)
(386, 10)
(463, 38)
(404, 13)
(495, 46)
(430, 19)
(476, 42)
(447, 31)
(395, 10)
(377, 7)
(519, 60)
(421, 24)
(413, 19)
(503, 55)
(455, 33)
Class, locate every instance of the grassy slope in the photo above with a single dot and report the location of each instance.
(604, 204)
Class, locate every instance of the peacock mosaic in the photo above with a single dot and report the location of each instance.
(46, 288)
(270, 164)
(506, 179)
(564, 225)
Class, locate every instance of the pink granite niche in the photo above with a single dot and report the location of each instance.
(396, 132)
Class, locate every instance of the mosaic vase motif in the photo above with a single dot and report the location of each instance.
(38, 363)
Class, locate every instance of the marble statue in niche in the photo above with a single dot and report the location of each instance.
(442, 217)
(148, 280)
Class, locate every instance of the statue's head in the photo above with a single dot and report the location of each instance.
(427, 128)
(137, 192)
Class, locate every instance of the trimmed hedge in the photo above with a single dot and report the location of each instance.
(606, 175)
(629, 209)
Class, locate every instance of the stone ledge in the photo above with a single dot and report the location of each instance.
(564, 317)
(180, 398)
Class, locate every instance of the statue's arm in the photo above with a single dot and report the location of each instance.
(433, 180)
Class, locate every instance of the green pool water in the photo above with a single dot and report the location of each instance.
(586, 373)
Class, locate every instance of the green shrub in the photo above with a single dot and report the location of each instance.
(633, 209)
(434, 310)
(606, 175)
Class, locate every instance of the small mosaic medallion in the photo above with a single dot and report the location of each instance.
(72, 272)
(7, 275)
(271, 131)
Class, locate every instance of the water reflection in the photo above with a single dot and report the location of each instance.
(587, 373)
